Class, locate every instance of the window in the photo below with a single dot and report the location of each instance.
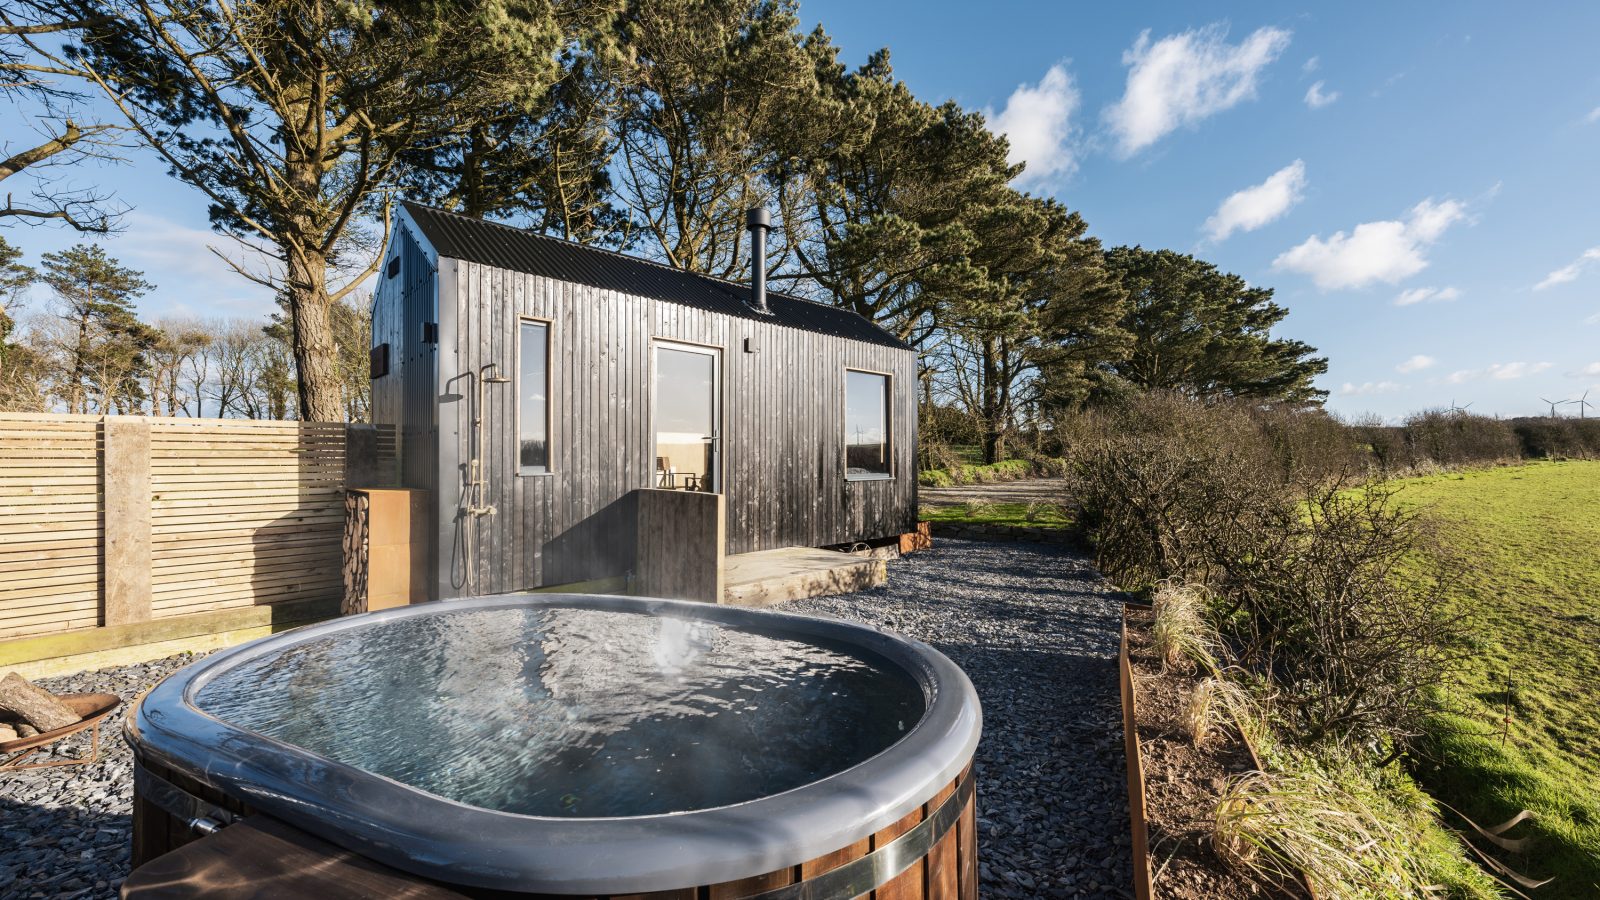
(866, 425)
(533, 389)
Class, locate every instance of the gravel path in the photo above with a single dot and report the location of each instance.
(1032, 624)
(64, 832)
(1040, 490)
(1035, 628)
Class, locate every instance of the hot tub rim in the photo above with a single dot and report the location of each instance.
(427, 834)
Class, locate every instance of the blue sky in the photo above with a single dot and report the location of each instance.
(1420, 183)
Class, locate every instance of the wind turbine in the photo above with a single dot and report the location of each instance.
(1458, 410)
(1583, 403)
(1553, 405)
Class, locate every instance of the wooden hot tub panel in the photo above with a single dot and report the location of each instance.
(173, 860)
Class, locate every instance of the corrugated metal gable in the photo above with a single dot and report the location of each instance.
(518, 250)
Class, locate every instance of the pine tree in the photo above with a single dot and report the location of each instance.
(102, 364)
(1207, 333)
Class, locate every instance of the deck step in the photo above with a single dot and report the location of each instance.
(767, 577)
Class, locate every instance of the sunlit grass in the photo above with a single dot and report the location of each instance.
(1035, 515)
(1527, 541)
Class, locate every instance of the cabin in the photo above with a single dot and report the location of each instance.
(562, 408)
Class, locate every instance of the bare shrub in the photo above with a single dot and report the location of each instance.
(1312, 447)
(1304, 575)
(1547, 438)
(1352, 646)
(1385, 445)
(1168, 487)
(1454, 438)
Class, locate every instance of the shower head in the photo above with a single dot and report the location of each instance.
(497, 379)
(490, 374)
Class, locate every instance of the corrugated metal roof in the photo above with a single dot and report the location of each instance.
(492, 244)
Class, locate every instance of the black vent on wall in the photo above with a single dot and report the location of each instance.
(378, 361)
(394, 267)
(430, 332)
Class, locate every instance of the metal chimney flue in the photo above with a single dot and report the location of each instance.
(759, 222)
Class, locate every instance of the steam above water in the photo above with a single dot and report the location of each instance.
(574, 712)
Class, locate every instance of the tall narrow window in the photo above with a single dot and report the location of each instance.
(533, 389)
(866, 425)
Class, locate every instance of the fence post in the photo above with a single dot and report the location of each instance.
(360, 456)
(125, 482)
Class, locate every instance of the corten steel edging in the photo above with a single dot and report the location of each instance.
(449, 841)
(1142, 887)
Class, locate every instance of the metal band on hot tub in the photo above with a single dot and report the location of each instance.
(874, 870)
(446, 840)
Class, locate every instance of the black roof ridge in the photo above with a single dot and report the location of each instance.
(631, 258)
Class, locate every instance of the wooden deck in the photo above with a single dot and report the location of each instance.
(790, 573)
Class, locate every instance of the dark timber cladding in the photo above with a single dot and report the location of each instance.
(782, 437)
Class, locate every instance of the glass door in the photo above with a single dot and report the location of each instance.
(688, 418)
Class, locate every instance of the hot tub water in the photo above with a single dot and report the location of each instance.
(573, 712)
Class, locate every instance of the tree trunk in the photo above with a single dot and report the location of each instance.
(994, 445)
(310, 311)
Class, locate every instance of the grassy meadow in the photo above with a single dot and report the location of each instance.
(1525, 733)
(1035, 515)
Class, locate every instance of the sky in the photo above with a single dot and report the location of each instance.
(1419, 183)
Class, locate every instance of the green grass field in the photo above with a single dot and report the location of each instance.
(1038, 515)
(1528, 538)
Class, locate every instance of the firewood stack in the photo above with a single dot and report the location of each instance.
(27, 709)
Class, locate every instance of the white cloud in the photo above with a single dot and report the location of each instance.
(1569, 272)
(1415, 364)
(1386, 251)
(1508, 371)
(1592, 320)
(1426, 295)
(1500, 371)
(1593, 116)
(1259, 204)
(1037, 121)
(1311, 64)
(1316, 99)
(1368, 388)
(1185, 78)
(1591, 369)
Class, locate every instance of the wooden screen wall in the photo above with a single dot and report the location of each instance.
(121, 519)
(782, 435)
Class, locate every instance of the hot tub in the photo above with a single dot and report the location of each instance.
(562, 744)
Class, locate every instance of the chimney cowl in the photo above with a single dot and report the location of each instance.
(759, 222)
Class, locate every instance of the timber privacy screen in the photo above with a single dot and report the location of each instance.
(115, 520)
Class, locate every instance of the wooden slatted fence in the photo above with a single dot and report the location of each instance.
(123, 519)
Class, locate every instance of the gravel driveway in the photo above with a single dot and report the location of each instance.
(1032, 624)
(1036, 629)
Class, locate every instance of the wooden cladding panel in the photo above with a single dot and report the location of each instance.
(782, 429)
(50, 524)
(169, 516)
(271, 480)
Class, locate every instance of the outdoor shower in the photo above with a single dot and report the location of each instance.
(475, 507)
